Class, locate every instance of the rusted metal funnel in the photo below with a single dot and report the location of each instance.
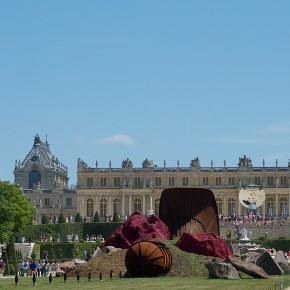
(145, 259)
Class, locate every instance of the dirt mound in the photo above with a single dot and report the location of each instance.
(183, 264)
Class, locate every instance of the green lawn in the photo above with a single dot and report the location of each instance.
(159, 283)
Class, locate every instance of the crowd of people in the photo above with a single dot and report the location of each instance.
(28, 267)
(235, 223)
(258, 220)
(94, 238)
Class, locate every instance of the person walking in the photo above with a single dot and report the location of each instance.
(50, 278)
(33, 279)
(2, 267)
(78, 277)
(101, 277)
(89, 276)
(64, 277)
(16, 279)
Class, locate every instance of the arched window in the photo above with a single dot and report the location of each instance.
(117, 205)
(231, 206)
(34, 179)
(137, 204)
(103, 207)
(90, 208)
(219, 204)
(283, 207)
(270, 209)
(156, 206)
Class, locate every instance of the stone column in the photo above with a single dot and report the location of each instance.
(82, 206)
(239, 206)
(276, 204)
(97, 205)
(151, 202)
(144, 204)
(123, 204)
(288, 203)
(110, 207)
(264, 208)
(225, 209)
(130, 204)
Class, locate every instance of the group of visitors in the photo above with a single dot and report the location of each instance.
(260, 221)
(94, 238)
(27, 268)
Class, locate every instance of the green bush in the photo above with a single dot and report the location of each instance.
(33, 256)
(12, 269)
(78, 218)
(44, 219)
(116, 218)
(61, 219)
(96, 217)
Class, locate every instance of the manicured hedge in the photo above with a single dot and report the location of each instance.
(277, 244)
(65, 251)
(104, 229)
(81, 229)
(36, 231)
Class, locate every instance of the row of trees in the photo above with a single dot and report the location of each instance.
(15, 213)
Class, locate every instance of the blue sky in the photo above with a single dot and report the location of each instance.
(163, 80)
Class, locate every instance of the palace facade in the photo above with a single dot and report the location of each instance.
(131, 188)
(44, 180)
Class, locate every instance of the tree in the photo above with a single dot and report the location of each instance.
(61, 219)
(96, 217)
(11, 257)
(116, 218)
(15, 210)
(44, 219)
(78, 218)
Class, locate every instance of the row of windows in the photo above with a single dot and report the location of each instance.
(137, 205)
(231, 206)
(269, 206)
(172, 181)
(48, 202)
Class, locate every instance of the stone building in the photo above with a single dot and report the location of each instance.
(130, 188)
(44, 180)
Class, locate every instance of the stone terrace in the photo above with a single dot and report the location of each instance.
(255, 232)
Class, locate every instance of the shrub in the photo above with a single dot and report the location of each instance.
(78, 218)
(61, 219)
(12, 269)
(116, 218)
(96, 217)
(33, 255)
(44, 219)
